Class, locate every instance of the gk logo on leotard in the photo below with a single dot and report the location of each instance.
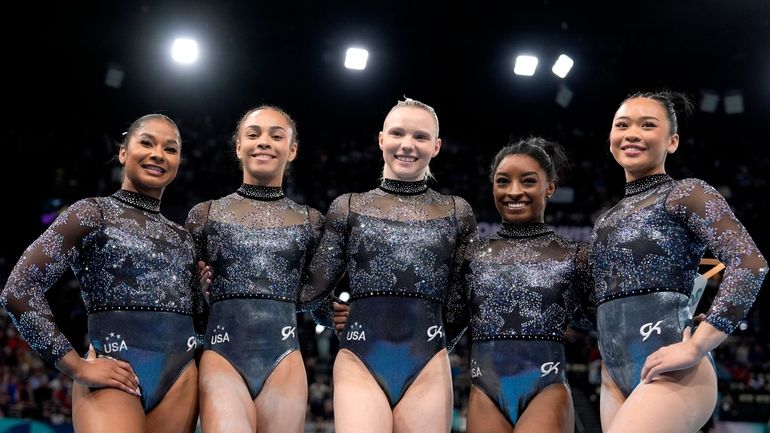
(435, 331)
(218, 336)
(356, 333)
(549, 367)
(647, 328)
(114, 346)
(192, 343)
(288, 331)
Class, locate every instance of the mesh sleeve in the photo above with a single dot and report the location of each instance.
(38, 269)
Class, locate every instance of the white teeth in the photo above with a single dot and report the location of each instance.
(517, 205)
(406, 158)
(155, 169)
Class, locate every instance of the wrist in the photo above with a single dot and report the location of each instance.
(699, 349)
(72, 365)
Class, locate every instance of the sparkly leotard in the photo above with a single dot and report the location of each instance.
(526, 285)
(402, 245)
(135, 269)
(257, 242)
(645, 253)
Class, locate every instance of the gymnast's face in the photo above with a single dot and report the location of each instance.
(150, 158)
(520, 188)
(641, 138)
(265, 147)
(408, 141)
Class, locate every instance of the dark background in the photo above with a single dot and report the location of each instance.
(61, 121)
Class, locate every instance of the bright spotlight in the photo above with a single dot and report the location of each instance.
(355, 58)
(562, 66)
(525, 65)
(184, 50)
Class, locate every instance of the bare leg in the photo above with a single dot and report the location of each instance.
(225, 402)
(427, 404)
(610, 399)
(106, 410)
(484, 416)
(680, 405)
(282, 403)
(551, 411)
(178, 411)
(360, 405)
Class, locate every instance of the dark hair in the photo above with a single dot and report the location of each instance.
(138, 123)
(289, 120)
(672, 102)
(549, 154)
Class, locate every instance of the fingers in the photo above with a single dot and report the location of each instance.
(651, 366)
(340, 315)
(204, 280)
(91, 355)
(340, 307)
(699, 319)
(109, 372)
(124, 374)
(339, 323)
(687, 334)
(205, 276)
(118, 385)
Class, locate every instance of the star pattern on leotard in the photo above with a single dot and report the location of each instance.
(132, 271)
(291, 257)
(406, 279)
(642, 246)
(225, 269)
(363, 258)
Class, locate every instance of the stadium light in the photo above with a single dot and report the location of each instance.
(562, 66)
(355, 58)
(709, 101)
(525, 65)
(184, 51)
(733, 102)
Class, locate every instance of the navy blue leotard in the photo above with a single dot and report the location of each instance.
(402, 245)
(645, 253)
(257, 242)
(526, 284)
(135, 269)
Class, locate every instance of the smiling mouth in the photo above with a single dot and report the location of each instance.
(263, 156)
(632, 148)
(154, 169)
(515, 205)
(404, 158)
